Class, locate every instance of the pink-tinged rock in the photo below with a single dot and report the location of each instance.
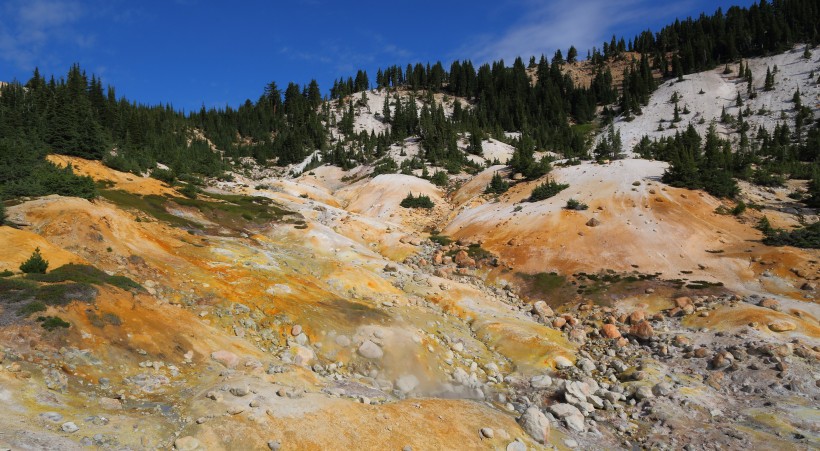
(610, 331)
(642, 330)
(227, 358)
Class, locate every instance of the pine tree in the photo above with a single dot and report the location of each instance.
(572, 54)
(768, 84)
(497, 185)
(35, 264)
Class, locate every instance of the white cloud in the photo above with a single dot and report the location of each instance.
(548, 26)
(27, 27)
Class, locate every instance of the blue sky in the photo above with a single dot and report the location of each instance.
(195, 52)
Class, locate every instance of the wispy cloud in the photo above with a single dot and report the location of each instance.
(27, 27)
(557, 25)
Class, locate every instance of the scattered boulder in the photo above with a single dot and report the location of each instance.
(570, 414)
(543, 310)
(593, 222)
(186, 443)
(770, 304)
(227, 358)
(562, 362)
(69, 427)
(540, 381)
(682, 302)
(610, 331)
(535, 423)
(642, 330)
(487, 432)
(370, 350)
(296, 330)
(637, 316)
(782, 326)
(463, 260)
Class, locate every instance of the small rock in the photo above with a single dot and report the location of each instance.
(227, 358)
(540, 381)
(296, 330)
(186, 443)
(642, 330)
(240, 391)
(562, 362)
(51, 416)
(643, 392)
(543, 310)
(516, 446)
(487, 432)
(770, 304)
(274, 445)
(69, 427)
(593, 222)
(610, 331)
(682, 302)
(662, 389)
(782, 326)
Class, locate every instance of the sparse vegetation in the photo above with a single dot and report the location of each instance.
(573, 204)
(35, 264)
(546, 190)
(50, 323)
(420, 201)
(497, 185)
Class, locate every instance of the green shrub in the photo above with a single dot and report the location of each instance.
(35, 264)
(50, 323)
(546, 190)
(439, 178)
(164, 175)
(2, 213)
(85, 274)
(6, 273)
(573, 204)
(189, 190)
(497, 185)
(739, 208)
(421, 201)
(805, 237)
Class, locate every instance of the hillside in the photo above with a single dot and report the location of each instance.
(588, 273)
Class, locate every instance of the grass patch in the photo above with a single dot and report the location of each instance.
(32, 307)
(104, 319)
(85, 274)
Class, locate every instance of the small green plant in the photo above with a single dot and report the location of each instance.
(546, 190)
(422, 201)
(6, 273)
(739, 208)
(573, 204)
(35, 264)
(51, 323)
